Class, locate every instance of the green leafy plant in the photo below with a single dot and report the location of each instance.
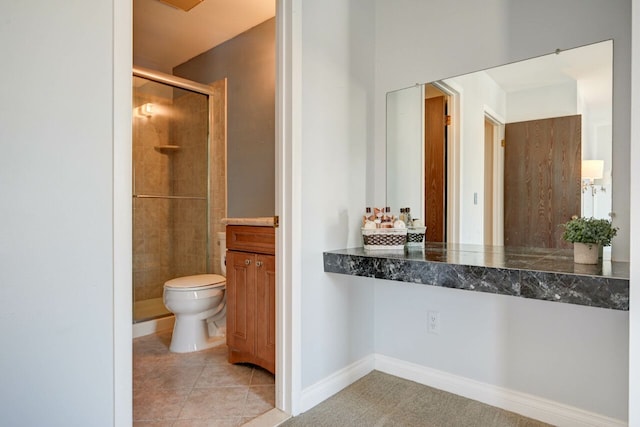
(589, 230)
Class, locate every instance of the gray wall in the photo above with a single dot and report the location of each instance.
(248, 62)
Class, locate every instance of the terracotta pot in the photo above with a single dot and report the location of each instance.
(585, 253)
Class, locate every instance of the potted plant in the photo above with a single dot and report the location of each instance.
(588, 235)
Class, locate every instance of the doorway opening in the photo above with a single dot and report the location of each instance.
(435, 163)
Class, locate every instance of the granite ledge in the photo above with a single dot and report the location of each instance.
(541, 274)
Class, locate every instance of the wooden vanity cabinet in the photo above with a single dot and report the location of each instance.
(251, 296)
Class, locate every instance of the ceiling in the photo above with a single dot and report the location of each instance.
(164, 36)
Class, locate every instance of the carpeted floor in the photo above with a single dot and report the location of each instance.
(380, 399)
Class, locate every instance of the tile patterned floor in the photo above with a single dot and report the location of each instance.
(195, 389)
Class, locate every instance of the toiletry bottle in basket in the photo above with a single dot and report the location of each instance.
(387, 219)
(368, 216)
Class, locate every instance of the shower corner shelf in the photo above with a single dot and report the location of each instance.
(167, 148)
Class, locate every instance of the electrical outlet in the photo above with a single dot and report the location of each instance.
(433, 322)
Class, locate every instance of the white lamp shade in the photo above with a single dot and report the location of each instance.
(592, 169)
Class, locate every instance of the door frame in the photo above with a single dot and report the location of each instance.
(453, 94)
(498, 174)
(288, 206)
(288, 192)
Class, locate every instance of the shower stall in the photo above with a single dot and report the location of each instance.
(179, 183)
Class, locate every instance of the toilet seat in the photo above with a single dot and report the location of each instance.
(195, 282)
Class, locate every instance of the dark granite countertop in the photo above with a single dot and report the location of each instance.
(537, 273)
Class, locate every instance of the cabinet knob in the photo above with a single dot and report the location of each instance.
(247, 261)
(259, 263)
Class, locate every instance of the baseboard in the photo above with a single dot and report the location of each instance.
(152, 326)
(322, 390)
(524, 404)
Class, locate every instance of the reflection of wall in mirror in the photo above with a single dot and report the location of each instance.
(404, 136)
(597, 144)
(478, 93)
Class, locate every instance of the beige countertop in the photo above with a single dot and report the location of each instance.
(268, 221)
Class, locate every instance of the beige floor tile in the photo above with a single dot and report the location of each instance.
(214, 402)
(158, 404)
(198, 389)
(224, 375)
(260, 399)
(170, 376)
(204, 357)
(151, 349)
(218, 355)
(210, 422)
(141, 374)
(262, 377)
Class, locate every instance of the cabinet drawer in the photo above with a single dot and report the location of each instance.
(248, 238)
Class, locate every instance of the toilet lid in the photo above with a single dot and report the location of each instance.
(197, 281)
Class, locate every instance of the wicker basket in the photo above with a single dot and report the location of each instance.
(384, 238)
(415, 236)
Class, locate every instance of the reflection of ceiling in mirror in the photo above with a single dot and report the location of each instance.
(590, 66)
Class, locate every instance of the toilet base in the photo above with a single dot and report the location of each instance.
(191, 334)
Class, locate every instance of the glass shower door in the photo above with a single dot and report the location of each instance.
(170, 190)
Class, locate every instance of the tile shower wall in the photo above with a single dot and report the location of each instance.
(189, 178)
(151, 217)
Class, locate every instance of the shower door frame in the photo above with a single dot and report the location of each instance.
(208, 91)
(176, 81)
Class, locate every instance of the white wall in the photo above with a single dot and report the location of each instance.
(542, 103)
(57, 213)
(566, 353)
(486, 336)
(336, 122)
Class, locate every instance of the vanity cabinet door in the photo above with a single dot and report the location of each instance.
(241, 310)
(266, 311)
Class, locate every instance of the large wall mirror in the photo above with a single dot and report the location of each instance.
(505, 155)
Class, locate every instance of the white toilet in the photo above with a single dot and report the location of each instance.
(199, 305)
